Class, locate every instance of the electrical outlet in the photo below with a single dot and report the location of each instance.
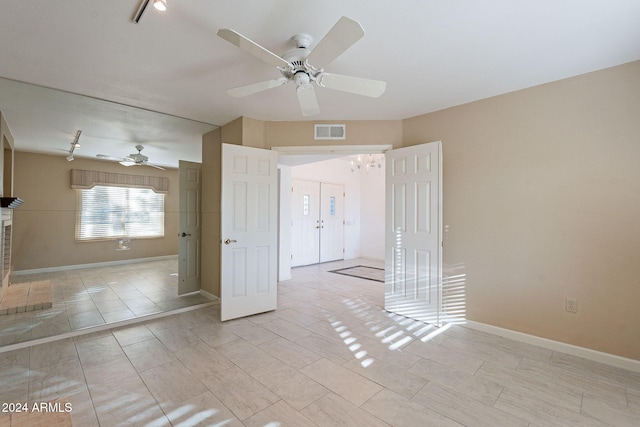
(571, 305)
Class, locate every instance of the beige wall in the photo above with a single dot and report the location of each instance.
(260, 134)
(211, 185)
(44, 225)
(374, 132)
(542, 202)
(232, 132)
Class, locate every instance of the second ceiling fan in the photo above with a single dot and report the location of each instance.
(303, 66)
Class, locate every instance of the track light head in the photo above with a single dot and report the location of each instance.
(161, 5)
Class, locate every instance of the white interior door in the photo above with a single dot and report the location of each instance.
(305, 222)
(413, 232)
(189, 233)
(249, 231)
(331, 222)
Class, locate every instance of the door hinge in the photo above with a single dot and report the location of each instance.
(291, 256)
(292, 189)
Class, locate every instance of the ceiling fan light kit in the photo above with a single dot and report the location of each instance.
(296, 65)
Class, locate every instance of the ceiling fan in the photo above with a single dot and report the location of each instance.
(304, 66)
(136, 159)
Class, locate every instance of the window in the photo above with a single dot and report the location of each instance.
(306, 200)
(106, 212)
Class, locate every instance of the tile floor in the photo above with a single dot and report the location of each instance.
(95, 296)
(329, 356)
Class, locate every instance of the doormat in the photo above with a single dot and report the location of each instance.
(363, 272)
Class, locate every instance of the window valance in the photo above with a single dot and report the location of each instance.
(86, 179)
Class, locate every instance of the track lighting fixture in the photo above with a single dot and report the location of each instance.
(75, 144)
(160, 5)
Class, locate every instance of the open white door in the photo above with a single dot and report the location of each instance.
(189, 233)
(413, 232)
(249, 223)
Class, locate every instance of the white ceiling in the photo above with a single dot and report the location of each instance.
(433, 54)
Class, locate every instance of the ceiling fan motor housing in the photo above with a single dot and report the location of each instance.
(302, 40)
(139, 157)
(301, 73)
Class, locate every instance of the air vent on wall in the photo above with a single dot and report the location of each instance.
(329, 131)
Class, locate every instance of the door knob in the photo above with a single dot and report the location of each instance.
(185, 234)
(228, 241)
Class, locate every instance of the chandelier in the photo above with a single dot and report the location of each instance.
(367, 162)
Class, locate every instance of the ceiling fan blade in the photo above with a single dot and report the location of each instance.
(241, 91)
(357, 85)
(252, 48)
(154, 166)
(339, 38)
(307, 99)
(104, 156)
(127, 163)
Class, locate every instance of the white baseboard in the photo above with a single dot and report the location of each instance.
(91, 265)
(372, 258)
(209, 295)
(574, 350)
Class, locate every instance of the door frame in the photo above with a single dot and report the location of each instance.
(290, 156)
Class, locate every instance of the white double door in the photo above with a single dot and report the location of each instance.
(317, 222)
(413, 236)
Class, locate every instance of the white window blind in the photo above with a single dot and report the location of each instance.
(106, 212)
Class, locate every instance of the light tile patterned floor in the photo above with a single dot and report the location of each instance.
(326, 357)
(89, 297)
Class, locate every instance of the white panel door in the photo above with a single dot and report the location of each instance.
(249, 231)
(305, 222)
(189, 233)
(413, 232)
(331, 222)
